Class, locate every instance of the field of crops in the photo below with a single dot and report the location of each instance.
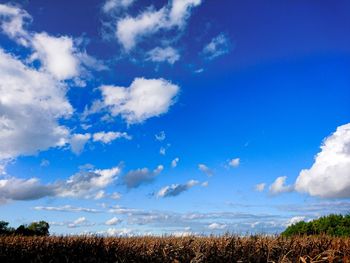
(173, 249)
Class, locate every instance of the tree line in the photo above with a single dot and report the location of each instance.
(40, 228)
(333, 225)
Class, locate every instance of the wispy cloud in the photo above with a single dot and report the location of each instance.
(218, 46)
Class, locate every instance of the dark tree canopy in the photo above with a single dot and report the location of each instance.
(40, 228)
(333, 225)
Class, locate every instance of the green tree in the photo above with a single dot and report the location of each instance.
(40, 228)
(333, 225)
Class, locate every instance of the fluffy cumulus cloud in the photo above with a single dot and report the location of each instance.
(279, 186)
(329, 176)
(131, 30)
(31, 105)
(57, 55)
(33, 98)
(135, 178)
(218, 46)
(24, 189)
(108, 137)
(86, 182)
(145, 98)
(176, 189)
(205, 169)
(168, 54)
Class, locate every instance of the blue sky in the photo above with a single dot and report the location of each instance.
(128, 117)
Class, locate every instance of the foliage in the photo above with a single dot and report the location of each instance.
(174, 249)
(40, 228)
(333, 225)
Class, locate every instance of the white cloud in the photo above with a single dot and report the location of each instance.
(181, 10)
(12, 21)
(116, 5)
(57, 55)
(279, 186)
(218, 46)
(176, 189)
(66, 208)
(217, 226)
(234, 162)
(205, 184)
(175, 162)
(116, 196)
(329, 176)
(260, 187)
(200, 70)
(160, 136)
(205, 169)
(79, 222)
(108, 137)
(31, 105)
(44, 163)
(113, 221)
(119, 232)
(135, 178)
(13, 188)
(130, 30)
(294, 220)
(145, 98)
(167, 54)
(78, 141)
(162, 151)
(84, 183)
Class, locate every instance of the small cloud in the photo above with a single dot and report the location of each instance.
(116, 196)
(205, 169)
(217, 226)
(295, 220)
(218, 46)
(111, 6)
(205, 184)
(44, 163)
(279, 186)
(113, 221)
(175, 162)
(160, 136)
(66, 208)
(176, 189)
(135, 178)
(162, 151)
(200, 70)
(260, 187)
(157, 96)
(167, 54)
(234, 162)
(108, 137)
(78, 141)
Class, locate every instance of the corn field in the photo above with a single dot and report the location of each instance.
(174, 249)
